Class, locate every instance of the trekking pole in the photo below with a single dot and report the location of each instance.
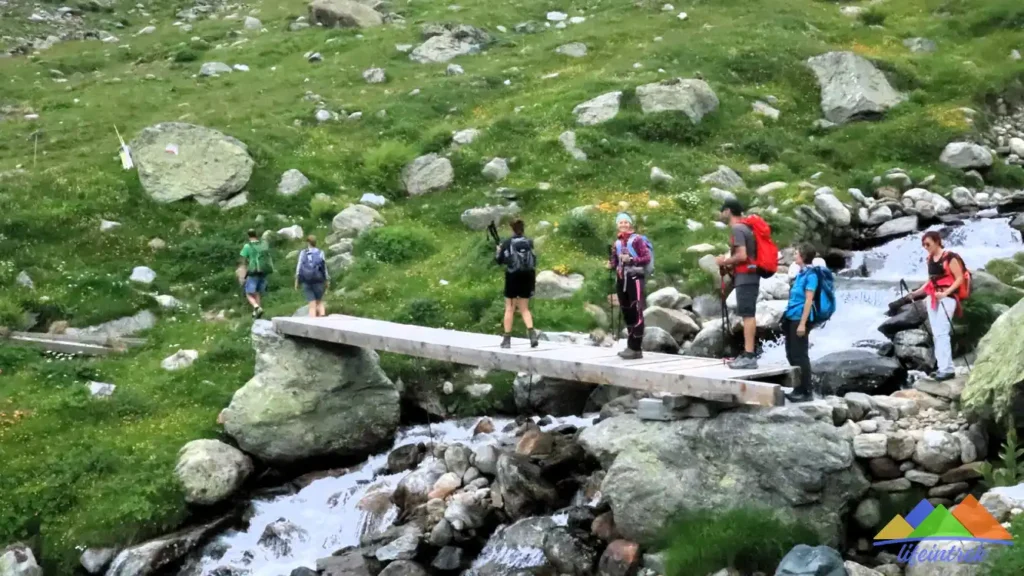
(612, 315)
(952, 330)
(725, 314)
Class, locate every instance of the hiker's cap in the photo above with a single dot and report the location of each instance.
(623, 216)
(732, 205)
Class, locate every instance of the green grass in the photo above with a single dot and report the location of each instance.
(745, 539)
(81, 472)
(1009, 560)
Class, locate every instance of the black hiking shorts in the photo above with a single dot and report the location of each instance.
(520, 284)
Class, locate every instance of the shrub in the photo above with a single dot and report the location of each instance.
(395, 245)
(11, 314)
(671, 127)
(322, 209)
(1010, 470)
(872, 17)
(1004, 176)
(587, 234)
(748, 540)
(1008, 560)
(422, 312)
(382, 167)
(186, 55)
(201, 256)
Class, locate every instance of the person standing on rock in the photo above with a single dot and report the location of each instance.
(516, 254)
(629, 257)
(947, 278)
(796, 322)
(256, 265)
(311, 273)
(746, 280)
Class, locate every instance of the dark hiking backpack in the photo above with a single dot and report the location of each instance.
(312, 268)
(520, 256)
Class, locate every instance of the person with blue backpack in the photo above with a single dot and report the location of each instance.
(311, 273)
(632, 258)
(811, 303)
(516, 254)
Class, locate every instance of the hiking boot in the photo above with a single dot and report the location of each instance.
(630, 354)
(258, 312)
(745, 361)
(942, 376)
(798, 395)
(506, 341)
(534, 338)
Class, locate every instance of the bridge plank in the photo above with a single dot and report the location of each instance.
(703, 378)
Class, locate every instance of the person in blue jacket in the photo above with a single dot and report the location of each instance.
(796, 322)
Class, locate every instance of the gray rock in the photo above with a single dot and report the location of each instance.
(414, 488)
(208, 165)
(868, 514)
(568, 554)
(448, 559)
(373, 200)
(523, 490)
(402, 568)
(427, 174)
(496, 170)
(18, 560)
(154, 556)
(450, 43)
(725, 177)
(323, 116)
(573, 49)
(454, 70)
(669, 297)
(897, 227)
(375, 76)
(963, 198)
(292, 182)
(937, 451)
(404, 547)
(691, 97)
(856, 370)
(549, 396)
(179, 360)
(678, 324)
(516, 549)
(921, 477)
(659, 176)
(831, 208)
(994, 388)
(209, 69)
(465, 137)
(277, 537)
(950, 568)
(870, 445)
(851, 87)
(126, 326)
(599, 110)
(355, 220)
(553, 286)
(803, 560)
(301, 402)
(926, 202)
(480, 218)
(965, 155)
(658, 340)
(766, 110)
(252, 23)
(96, 560)
(293, 232)
(920, 45)
(343, 14)
(656, 470)
(25, 281)
(236, 201)
(211, 471)
(568, 141)
(770, 188)
(485, 459)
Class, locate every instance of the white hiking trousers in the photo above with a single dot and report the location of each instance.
(939, 318)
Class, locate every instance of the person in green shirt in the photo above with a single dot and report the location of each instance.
(257, 265)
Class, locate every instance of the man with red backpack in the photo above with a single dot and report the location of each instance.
(753, 256)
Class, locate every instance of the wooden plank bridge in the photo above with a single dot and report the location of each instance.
(705, 378)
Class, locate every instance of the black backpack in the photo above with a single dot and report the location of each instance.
(520, 256)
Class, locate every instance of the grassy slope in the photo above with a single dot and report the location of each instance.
(95, 473)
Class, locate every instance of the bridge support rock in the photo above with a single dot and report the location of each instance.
(310, 399)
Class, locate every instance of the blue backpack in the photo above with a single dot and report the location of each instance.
(824, 296)
(312, 268)
(649, 268)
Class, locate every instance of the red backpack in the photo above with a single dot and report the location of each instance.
(767, 260)
(964, 291)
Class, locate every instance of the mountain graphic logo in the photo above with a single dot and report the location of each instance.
(969, 521)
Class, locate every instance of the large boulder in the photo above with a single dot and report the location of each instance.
(516, 549)
(851, 87)
(779, 459)
(857, 370)
(481, 218)
(928, 204)
(523, 490)
(996, 385)
(343, 14)
(355, 220)
(427, 174)
(311, 399)
(447, 41)
(710, 342)
(965, 155)
(598, 110)
(210, 471)
(909, 317)
(154, 556)
(177, 161)
(18, 560)
(804, 560)
(658, 340)
(691, 97)
(553, 286)
(677, 323)
(550, 396)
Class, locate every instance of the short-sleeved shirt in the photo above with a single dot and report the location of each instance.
(806, 280)
(742, 235)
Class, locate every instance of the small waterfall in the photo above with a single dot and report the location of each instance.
(332, 513)
(861, 302)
